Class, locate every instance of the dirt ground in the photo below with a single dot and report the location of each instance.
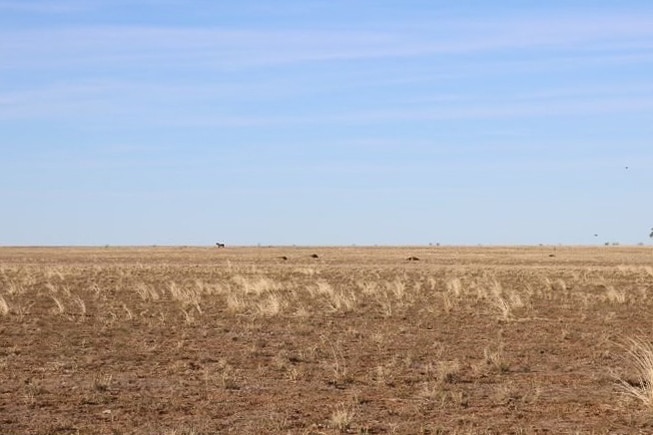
(323, 340)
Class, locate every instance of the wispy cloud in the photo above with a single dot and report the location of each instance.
(523, 44)
(43, 7)
(159, 103)
(218, 48)
(470, 111)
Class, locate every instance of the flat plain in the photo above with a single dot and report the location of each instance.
(378, 340)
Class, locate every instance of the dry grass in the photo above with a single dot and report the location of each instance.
(342, 417)
(478, 340)
(494, 358)
(4, 306)
(640, 359)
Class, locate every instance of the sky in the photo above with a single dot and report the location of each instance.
(326, 122)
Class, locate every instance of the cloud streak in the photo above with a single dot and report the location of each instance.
(43, 7)
(223, 48)
(158, 103)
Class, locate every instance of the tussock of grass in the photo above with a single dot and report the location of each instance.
(495, 358)
(448, 371)
(270, 306)
(616, 296)
(102, 382)
(4, 307)
(60, 306)
(640, 356)
(342, 417)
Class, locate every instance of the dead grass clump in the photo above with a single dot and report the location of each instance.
(321, 288)
(452, 297)
(236, 304)
(380, 375)
(256, 285)
(222, 375)
(14, 288)
(338, 366)
(4, 307)
(640, 357)
(509, 394)
(494, 358)
(270, 306)
(430, 391)
(615, 296)
(503, 307)
(337, 300)
(448, 371)
(81, 305)
(302, 312)
(342, 301)
(54, 272)
(227, 376)
(504, 301)
(60, 308)
(454, 287)
(368, 287)
(189, 297)
(556, 289)
(306, 271)
(342, 417)
(146, 292)
(397, 288)
(102, 382)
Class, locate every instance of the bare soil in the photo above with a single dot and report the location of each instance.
(325, 340)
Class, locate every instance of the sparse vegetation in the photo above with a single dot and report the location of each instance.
(360, 340)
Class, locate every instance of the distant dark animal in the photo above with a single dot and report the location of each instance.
(219, 245)
(413, 259)
(315, 256)
(283, 257)
(552, 255)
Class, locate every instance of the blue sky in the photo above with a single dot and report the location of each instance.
(325, 122)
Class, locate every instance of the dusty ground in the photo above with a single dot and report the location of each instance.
(358, 340)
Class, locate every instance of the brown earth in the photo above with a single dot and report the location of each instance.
(357, 340)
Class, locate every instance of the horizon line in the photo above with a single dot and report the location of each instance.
(318, 246)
